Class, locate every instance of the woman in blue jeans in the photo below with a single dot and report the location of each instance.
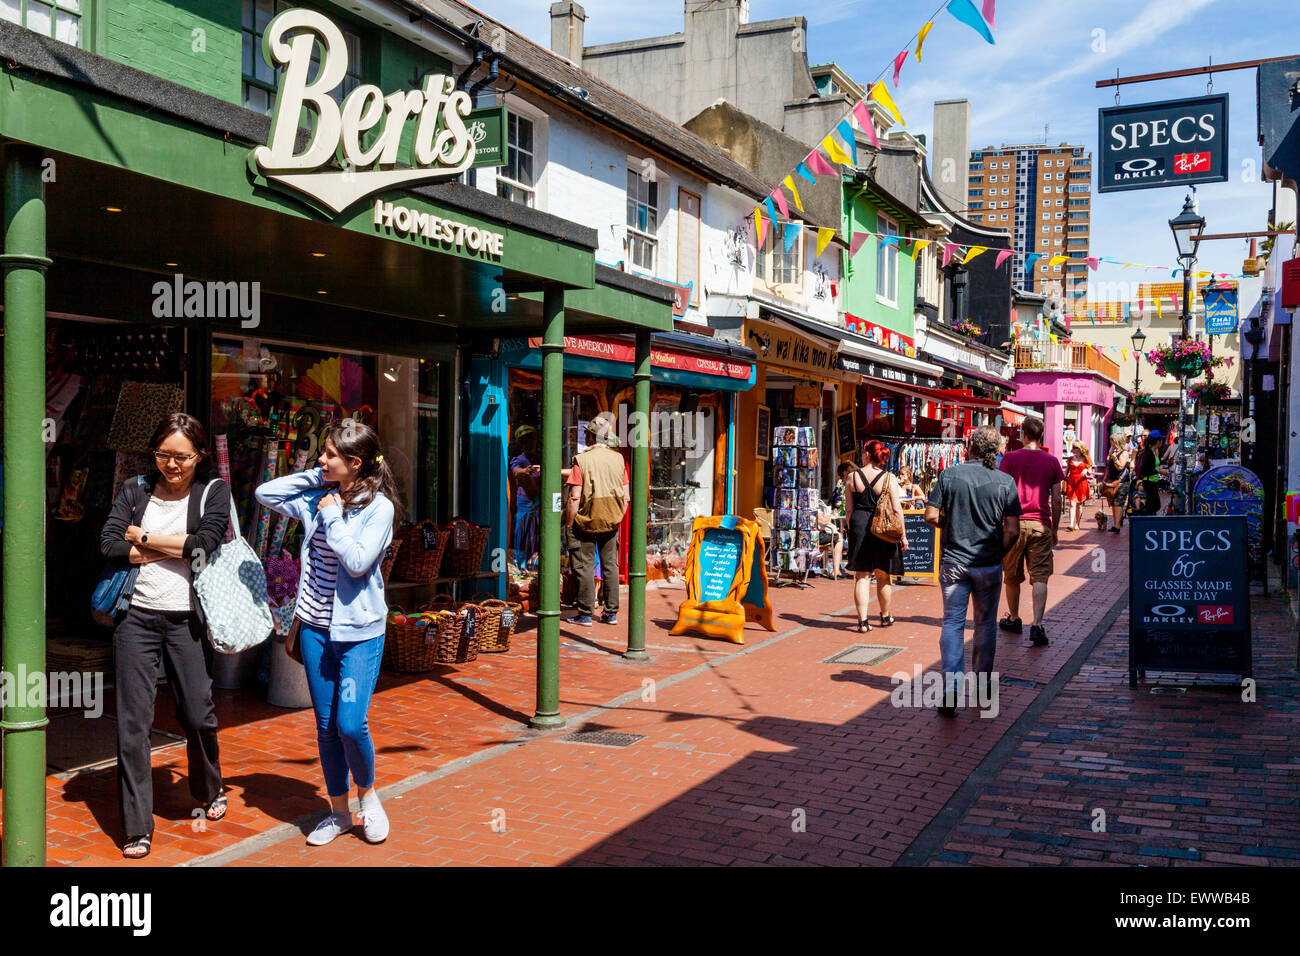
(348, 506)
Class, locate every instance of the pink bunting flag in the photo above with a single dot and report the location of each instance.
(989, 6)
(948, 249)
(855, 243)
(819, 165)
(780, 202)
(862, 114)
(1092, 263)
(898, 66)
(1002, 257)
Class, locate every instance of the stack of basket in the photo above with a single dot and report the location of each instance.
(496, 623)
(420, 552)
(465, 546)
(443, 632)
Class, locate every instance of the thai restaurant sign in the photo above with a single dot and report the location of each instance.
(364, 132)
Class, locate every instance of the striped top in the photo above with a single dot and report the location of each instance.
(316, 600)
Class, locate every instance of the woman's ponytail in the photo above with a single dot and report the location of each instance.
(355, 440)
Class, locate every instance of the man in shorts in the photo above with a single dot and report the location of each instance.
(1038, 476)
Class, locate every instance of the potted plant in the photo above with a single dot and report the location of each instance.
(1209, 391)
(967, 328)
(1184, 358)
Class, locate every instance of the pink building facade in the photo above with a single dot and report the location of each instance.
(1082, 400)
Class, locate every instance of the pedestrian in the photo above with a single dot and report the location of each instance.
(348, 505)
(978, 511)
(869, 488)
(842, 472)
(163, 524)
(1150, 471)
(1078, 489)
(909, 490)
(598, 502)
(1037, 475)
(1117, 479)
(527, 474)
(1168, 456)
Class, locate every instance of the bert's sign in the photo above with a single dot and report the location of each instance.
(1173, 143)
(364, 132)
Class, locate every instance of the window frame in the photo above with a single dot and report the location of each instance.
(649, 240)
(772, 263)
(354, 41)
(887, 255)
(86, 16)
(503, 181)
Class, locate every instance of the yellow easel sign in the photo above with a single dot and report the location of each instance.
(726, 584)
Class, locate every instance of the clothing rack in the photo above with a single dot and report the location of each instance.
(927, 457)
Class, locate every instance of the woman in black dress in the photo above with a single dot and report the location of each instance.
(869, 555)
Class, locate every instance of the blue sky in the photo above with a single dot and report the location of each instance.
(1042, 69)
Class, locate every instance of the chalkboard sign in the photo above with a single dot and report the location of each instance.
(921, 559)
(1189, 600)
(844, 435)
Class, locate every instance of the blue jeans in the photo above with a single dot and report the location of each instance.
(341, 676)
(959, 586)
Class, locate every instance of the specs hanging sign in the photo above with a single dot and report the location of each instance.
(363, 132)
(1171, 143)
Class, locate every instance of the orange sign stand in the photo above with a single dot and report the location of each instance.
(726, 580)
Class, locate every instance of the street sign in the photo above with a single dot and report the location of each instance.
(1220, 310)
(1189, 601)
(1171, 143)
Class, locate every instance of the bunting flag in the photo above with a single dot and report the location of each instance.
(1030, 260)
(988, 12)
(824, 236)
(918, 245)
(771, 210)
(1124, 352)
(789, 184)
(1002, 257)
(855, 243)
(920, 37)
(780, 202)
(1093, 262)
(1052, 336)
(948, 249)
(819, 165)
(880, 93)
(862, 113)
(1159, 312)
(845, 129)
(758, 226)
(973, 252)
(964, 10)
(889, 240)
(898, 66)
(836, 154)
(1173, 300)
(792, 230)
(1057, 260)
(1142, 307)
(803, 170)
(1127, 313)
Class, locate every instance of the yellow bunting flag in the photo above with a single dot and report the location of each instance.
(1052, 336)
(1057, 260)
(1124, 352)
(824, 237)
(918, 245)
(758, 227)
(881, 96)
(920, 38)
(788, 182)
(1159, 311)
(975, 251)
(836, 153)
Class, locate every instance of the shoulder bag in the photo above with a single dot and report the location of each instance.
(112, 595)
(232, 590)
(884, 522)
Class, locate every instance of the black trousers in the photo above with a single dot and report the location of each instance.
(583, 562)
(1152, 504)
(142, 641)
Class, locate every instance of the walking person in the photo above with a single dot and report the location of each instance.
(1078, 473)
(977, 508)
(347, 505)
(1037, 475)
(155, 523)
(1150, 471)
(1117, 480)
(867, 489)
(598, 502)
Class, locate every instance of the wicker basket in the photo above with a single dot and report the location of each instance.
(420, 555)
(407, 647)
(462, 562)
(497, 620)
(390, 558)
(452, 644)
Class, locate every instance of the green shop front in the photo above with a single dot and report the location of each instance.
(150, 266)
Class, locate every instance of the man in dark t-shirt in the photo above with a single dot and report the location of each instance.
(977, 509)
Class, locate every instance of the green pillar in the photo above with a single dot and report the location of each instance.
(23, 727)
(548, 573)
(640, 492)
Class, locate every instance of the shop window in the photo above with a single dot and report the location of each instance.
(60, 19)
(259, 80)
(887, 263)
(515, 179)
(642, 220)
(681, 472)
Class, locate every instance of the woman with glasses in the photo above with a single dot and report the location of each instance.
(155, 524)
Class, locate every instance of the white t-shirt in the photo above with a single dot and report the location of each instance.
(164, 585)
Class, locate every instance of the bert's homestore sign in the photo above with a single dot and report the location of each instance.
(364, 133)
(1172, 143)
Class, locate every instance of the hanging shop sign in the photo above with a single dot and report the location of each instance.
(365, 131)
(1189, 601)
(807, 396)
(726, 580)
(1220, 310)
(1171, 143)
(878, 334)
(888, 373)
(780, 346)
(613, 350)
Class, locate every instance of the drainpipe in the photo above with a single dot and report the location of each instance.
(548, 572)
(731, 453)
(640, 492)
(493, 73)
(23, 727)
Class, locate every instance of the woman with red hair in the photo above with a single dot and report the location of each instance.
(868, 488)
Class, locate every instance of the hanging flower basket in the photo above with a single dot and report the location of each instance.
(1142, 398)
(967, 328)
(1185, 358)
(1209, 391)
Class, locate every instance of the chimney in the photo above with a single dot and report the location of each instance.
(567, 23)
(950, 153)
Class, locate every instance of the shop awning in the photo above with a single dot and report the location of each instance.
(858, 355)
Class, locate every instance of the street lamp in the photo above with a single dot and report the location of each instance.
(1139, 340)
(1187, 227)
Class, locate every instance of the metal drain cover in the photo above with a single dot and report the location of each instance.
(864, 655)
(1166, 691)
(601, 738)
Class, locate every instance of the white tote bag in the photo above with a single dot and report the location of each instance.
(232, 589)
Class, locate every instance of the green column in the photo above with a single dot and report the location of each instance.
(640, 492)
(23, 727)
(548, 573)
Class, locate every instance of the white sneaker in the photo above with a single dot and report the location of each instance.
(374, 823)
(329, 829)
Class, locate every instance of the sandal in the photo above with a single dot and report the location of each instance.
(864, 626)
(143, 844)
(216, 810)
(886, 621)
